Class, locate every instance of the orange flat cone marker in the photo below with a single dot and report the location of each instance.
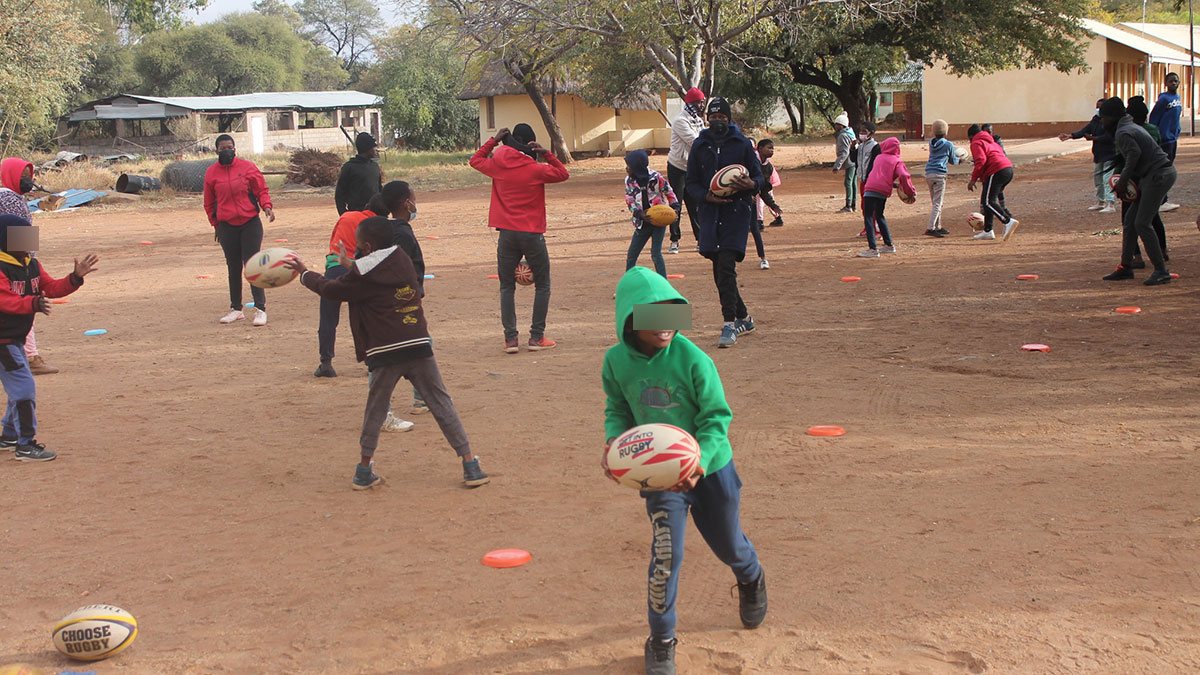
(145, 243)
(1027, 277)
(826, 430)
(60, 301)
(1128, 310)
(849, 279)
(281, 241)
(506, 557)
(493, 276)
(1036, 347)
(203, 276)
(675, 276)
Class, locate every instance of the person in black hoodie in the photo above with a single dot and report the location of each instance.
(361, 177)
(725, 221)
(391, 336)
(25, 289)
(1104, 156)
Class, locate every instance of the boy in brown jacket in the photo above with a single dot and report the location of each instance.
(391, 336)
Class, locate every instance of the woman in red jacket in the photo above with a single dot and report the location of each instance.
(234, 190)
(993, 166)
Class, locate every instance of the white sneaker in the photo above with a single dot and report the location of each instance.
(260, 317)
(763, 264)
(1167, 206)
(393, 423)
(985, 235)
(887, 249)
(869, 253)
(233, 315)
(1010, 227)
(1108, 208)
(674, 247)
(1097, 206)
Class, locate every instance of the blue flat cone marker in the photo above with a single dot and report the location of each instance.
(428, 276)
(95, 331)
(249, 304)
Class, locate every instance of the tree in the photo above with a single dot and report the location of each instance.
(280, 9)
(835, 49)
(239, 54)
(109, 69)
(145, 16)
(42, 46)
(420, 75)
(346, 27)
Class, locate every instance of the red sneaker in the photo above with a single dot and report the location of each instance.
(512, 346)
(536, 345)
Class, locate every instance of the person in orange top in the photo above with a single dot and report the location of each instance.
(341, 242)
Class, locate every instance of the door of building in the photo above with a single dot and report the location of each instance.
(914, 123)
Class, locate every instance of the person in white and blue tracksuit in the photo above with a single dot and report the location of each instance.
(941, 153)
(725, 221)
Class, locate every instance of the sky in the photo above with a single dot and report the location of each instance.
(218, 8)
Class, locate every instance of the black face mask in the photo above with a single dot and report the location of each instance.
(26, 185)
(225, 157)
(718, 127)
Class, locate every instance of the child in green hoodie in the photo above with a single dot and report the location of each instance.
(659, 376)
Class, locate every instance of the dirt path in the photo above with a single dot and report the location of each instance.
(989, 510)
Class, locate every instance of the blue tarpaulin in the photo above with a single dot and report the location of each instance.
(73, 198)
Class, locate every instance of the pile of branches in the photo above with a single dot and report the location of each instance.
(314, 168)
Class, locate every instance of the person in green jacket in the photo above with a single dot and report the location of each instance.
(660, 376)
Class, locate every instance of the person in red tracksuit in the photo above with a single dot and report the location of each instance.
(994, 167)
(518, 212)
(234, 190)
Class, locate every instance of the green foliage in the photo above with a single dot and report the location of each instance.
(1157, 11)
(419, 76)
(346, 27)
(280, 9)
(239, 54)
(144, 16)
(42, 57)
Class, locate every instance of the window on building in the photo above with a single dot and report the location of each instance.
(491, 112)
(885, 98)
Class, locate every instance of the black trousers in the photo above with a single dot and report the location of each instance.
(511, 247)
(756, 229)
(1138, 221)
(992, 199)
(678, 180)
(725, 274)
(331, 311)
(240, 243)
(1159, 230)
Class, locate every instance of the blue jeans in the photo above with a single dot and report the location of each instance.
(20, 418)
(714, 503)
(654, 235)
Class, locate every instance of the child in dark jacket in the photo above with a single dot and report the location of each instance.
(658, 376)
(390, 335)
(24, 290)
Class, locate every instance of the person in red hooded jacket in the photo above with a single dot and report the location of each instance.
(234, 190)
(518, 212)
(16, 175)
(996, 171)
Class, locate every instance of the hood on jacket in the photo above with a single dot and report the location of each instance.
(10, 173)
(982, 137)
(734, 132)
(373, 264)
(639, 166)
(641, 286)
(508, 157)
(890, 146)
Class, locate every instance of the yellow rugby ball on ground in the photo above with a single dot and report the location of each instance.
(95, 632)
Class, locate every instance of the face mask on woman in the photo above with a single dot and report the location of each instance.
(412, 215)
(718, 127)
(863, 137)
(26, 185)
(225, 157)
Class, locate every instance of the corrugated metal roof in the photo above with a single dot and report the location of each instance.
(1157, 52)
(911, 74)
(305, 100)
(1172, 33)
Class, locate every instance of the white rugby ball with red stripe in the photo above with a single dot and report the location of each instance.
(265, 269)
(653, 457)
(723, 180)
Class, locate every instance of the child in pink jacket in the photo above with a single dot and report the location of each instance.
(888, 170)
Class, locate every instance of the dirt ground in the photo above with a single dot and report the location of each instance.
(988, 510)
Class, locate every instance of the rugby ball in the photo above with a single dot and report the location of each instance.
(94, 632)
(962, 153)
(904, 195)
(661, 215)
(265, 269)
(722, 182)
(1131, 191)
(975, 220)
(653, 457)
(523, 274)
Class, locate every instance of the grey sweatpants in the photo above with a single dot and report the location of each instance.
(937, 192)
(1139, 220)
(424, 376)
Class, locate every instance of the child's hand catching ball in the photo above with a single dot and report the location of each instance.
(86, 266)
(604, 463)
(690, 482)
(295, 264)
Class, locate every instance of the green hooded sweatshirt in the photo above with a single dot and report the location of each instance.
(679, 385)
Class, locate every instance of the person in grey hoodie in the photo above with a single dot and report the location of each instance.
(844, 137)
(1150, 170)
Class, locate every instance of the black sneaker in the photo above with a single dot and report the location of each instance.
(778, 222)
(660, 656)
(36, 452)
(1122, 272)
(1138, 263)
(752, 601)
(474, 476)
(365, 477)
(934, 233)
(8, 443)
(743, 326)
(325, 370)
(1158, 277)
(943, 231)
